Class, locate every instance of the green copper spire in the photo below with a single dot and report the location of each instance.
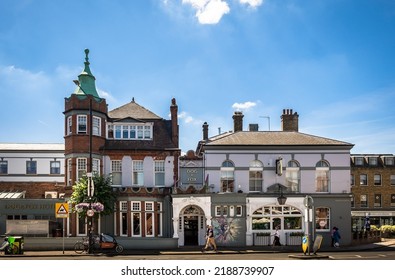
(86, 81)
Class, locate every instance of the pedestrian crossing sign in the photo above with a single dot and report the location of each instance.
(62, 210)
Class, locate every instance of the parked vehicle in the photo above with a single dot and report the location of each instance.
(100, 243)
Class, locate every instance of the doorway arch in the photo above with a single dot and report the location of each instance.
(192, 226)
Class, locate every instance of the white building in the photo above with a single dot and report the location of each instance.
(249, 171)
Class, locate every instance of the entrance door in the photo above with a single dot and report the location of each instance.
(191, 231)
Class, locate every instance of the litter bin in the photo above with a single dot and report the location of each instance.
(16, 244)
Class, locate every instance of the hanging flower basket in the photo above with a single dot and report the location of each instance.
(84, 206)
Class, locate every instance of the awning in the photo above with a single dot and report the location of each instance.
(12, 194)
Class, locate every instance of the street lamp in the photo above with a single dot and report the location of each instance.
(281, 199)
(90, 212)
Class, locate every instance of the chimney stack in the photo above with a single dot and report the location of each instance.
(254, 127)
(174, 122)
(289, 121)
(205, 131)
(238, 121)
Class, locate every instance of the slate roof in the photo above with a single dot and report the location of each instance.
(272, 138)
(162, 138)
(132, 110)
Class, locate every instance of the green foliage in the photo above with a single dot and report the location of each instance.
(388, 229)
(103, 193)
(374, 228)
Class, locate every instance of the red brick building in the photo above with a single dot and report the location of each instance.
(133, 145)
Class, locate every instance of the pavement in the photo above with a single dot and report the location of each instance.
(294, 251)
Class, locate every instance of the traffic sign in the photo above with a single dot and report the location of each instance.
(62, 210)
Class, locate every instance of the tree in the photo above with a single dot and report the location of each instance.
(103, 194)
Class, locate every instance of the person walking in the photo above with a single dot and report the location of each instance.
(336, 237)
(210, 240)
(333, 236)
(276, 240)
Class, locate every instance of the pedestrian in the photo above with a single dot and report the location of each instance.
(336, 237)
(276, 240)
(333, 236)
(210, 239)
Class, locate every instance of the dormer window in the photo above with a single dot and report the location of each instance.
(359, 161)
(372, 161)
(389, 161)
(130, 131)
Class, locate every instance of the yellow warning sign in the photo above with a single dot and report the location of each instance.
(62, 210)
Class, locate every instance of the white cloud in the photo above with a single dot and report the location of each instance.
(209, 11)
(243, 106)
(106, 95)
(23, 82)
(189, 119)
(252, 3)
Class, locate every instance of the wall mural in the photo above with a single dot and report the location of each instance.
(227, 231)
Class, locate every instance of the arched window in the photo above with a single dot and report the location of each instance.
(292, 176)
(256, 176)
(227, 176)
(322, 176)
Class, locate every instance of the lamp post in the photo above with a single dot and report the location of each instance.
(308, 203)
(90, 212)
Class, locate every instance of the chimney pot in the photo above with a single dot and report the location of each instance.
(238, 121)
(289, 121)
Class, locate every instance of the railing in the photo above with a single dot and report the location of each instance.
(293, 240)
(267, 240)
(261, 240)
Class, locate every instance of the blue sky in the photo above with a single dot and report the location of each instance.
(333, 62)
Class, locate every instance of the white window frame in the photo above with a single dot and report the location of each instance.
(138, 172)
(159, 169)
(69, 125)
(69, 172)
(80, 121)
(322, 168)
(255, 184)
(96, 126)
(123, 209)
(131, 131)
(96, 166)
(81, 168)
(135, 208)
(159, 216)
(54, 166)
(292, 176)
(116, 168)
